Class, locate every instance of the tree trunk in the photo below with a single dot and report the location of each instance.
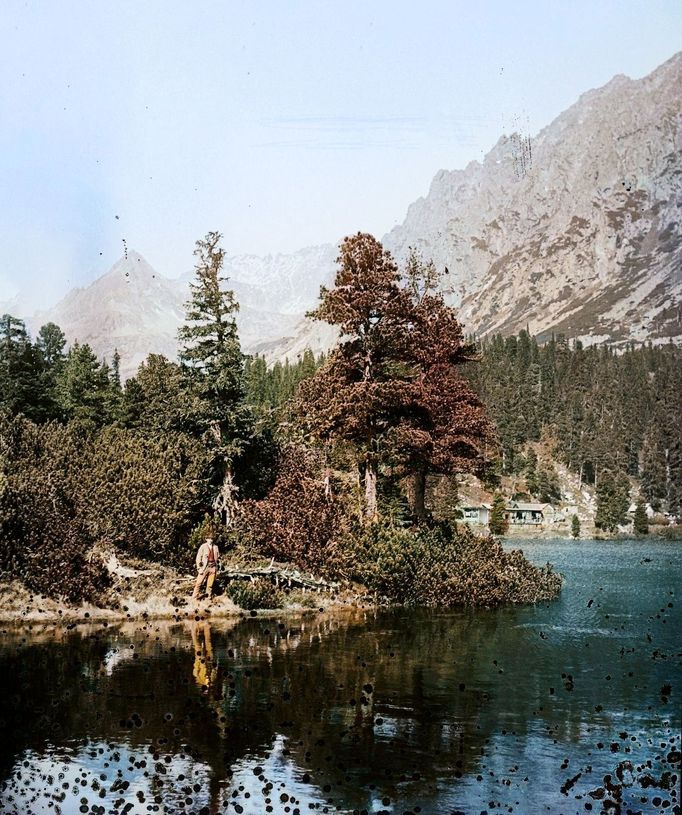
(370, 491)
(419, 495)
(225, 503)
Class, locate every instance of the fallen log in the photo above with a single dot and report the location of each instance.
(292, 578)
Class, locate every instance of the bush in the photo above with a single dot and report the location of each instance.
(143, 495)
(297, 522)
(42, 541)
(442, 567)
(256, 594)
(64, 488)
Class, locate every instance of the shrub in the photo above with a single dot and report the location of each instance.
(64, 488)
(297, 522)
(42, 541)
(256, 594)
(442, 567)
(143, 495)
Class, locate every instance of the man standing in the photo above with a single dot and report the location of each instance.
(207, 566)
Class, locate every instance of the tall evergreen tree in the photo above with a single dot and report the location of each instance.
(613, 496)
(212, 359)
(575, 526)
(498, 522)
(22, 385)
(640, 523)
(83, 387)
(390, 391)
(52, 342)
(532, 483)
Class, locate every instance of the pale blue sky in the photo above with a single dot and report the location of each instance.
(282, 124)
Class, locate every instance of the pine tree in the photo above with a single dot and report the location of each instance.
(23, 385)
(532, 483)
(52, 342)
(212, 359)
(83, 388)
(351, 398)
(613, 491)
(391, 391)
(549, 489)
(498, 523)
(116, 370)
(157, 399)
(575, 526)
(640, 523)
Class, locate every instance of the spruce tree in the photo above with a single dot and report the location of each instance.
(51, 343)
(25, 384)
(549, 489)
(498, 521)
(83, 388)
(157, 400)
(613, 495)
(532, 484)
(116, 370)
(640, 523)
(575, 526)
(212, 359)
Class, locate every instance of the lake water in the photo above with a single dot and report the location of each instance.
(521, 710)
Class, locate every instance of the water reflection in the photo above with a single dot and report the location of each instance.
(396, 711)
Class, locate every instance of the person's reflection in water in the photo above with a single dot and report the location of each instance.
(208, 676)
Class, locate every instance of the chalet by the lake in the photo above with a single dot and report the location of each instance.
(519, 513)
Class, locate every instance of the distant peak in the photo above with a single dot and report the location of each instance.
(132, 262)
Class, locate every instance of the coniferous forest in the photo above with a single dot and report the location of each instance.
(344, 465)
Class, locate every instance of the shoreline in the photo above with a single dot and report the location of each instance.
(19, 606)
(25, 608)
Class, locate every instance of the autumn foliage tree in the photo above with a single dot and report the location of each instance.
(390, 392)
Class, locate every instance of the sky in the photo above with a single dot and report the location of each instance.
(280, 124)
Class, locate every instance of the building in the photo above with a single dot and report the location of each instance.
(476, 514)
(518, 513)
(529, 514)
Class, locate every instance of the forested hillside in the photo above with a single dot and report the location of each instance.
(609, 413)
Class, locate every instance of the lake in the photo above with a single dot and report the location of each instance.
(517, 710)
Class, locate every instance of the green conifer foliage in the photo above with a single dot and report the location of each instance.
(549, 490)
(210, 343)
(532, 483)
(83, 388)
(613, 496)
(498, 522)
(212, 359)
(640, 523)
(23, 388)
(575, 526)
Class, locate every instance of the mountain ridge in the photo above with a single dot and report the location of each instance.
(576, 231)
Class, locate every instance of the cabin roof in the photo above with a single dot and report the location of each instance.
(528, 506)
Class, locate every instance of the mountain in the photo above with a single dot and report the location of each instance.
(138, 311)
(131, 308)
(576, 231)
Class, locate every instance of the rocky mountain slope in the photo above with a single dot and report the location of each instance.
(578, 231)
(136, 310)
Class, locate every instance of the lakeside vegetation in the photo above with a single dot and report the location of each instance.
(345, 465)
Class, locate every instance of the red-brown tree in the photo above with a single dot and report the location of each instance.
(390, 391)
